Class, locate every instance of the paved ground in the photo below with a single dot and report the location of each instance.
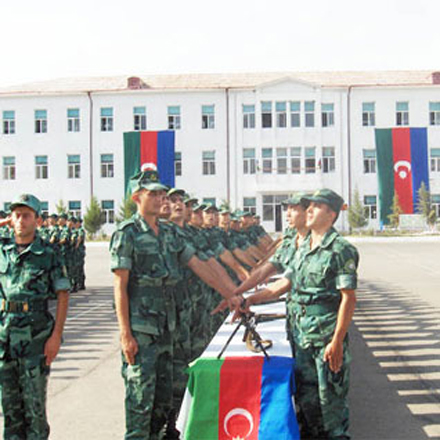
(395, 391)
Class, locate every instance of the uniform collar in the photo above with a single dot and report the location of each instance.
(329, 237)
(36, 247)
(142, 224)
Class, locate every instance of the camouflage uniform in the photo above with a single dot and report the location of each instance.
(81, 258)
(154, 263)
(27, 281)
(319, 275)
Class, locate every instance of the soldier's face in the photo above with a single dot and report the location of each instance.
(197, 218)
(296, 215)
(165, 208)
(188, 211)
(209, 218)
(177, 206)
(224, 221)
(319, 216)
(149, 202)
(24, 222)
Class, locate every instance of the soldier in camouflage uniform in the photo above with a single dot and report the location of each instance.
(4, 230)
(81, 255)
(325, 279)
(146, 258)
(30, 274)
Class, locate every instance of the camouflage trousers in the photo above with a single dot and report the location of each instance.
(200, 327)
(321, 396)
(23, 387)
(148, 386)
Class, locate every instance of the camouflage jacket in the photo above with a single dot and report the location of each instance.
(285, 252)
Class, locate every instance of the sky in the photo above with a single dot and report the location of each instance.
(52, 39)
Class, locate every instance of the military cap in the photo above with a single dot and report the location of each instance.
(71, 218)
(178, 191)
(148, 179)
(225, 211)
(209, 206)
(199, 207)
(27, 200)
(63, 216)
(246, 214)
(327, 196)
(44, 216)
(189, 199)
(299, 198)
(234, 218)
(3, 214)
(54, 216)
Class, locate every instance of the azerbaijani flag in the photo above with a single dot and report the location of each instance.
(402, 166)
(149, 147)
(240, 398)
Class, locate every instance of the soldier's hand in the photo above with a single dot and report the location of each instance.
(333, 354)
(5, 221)
(51, 348)
(221, 306)
(243, 275)
(129, 348)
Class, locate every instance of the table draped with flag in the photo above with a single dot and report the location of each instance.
(243, 395)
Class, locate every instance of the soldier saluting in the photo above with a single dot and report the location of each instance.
(30, 274)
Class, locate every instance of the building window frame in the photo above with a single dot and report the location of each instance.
(434, 113)
(281, 114)
(9, 169)
(248, 116)
(267, 160)
(402, 113)
(328, 114)
(250, 204)
(41, 167)
(74, 208)
(295, 114)
(107, 166)
(434, 160)
(309, 112)
(249, 161)
(370, 207)
(40, 121)
(369, 160)
(139, 118)
(328, 160)
(266, 114)
(310, 160)
(108, 211)
(208, 162)
(368, 114)
(174, 117)
(435, 204)
(107, 119)
(8, 122)
(282, 160)
(73, 120)
(73, 166)
(295, 160)
(208, 117)
(177, 163)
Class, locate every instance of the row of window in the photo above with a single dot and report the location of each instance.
(107, 119)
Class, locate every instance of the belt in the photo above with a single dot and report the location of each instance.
(23, 306)
(316, 309)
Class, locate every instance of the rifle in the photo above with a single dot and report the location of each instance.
(253, 340)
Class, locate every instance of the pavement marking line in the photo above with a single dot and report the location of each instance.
(402, 343)
(432, 430)
(398, 364)
(424, 408)
(70, 319)
(399, 322)
(396, 335)
(396, 328)
(404, 316)
(414, 352)
(408, 377)
(434, 327)
(417, 392)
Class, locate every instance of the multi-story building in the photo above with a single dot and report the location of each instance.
(250, 139)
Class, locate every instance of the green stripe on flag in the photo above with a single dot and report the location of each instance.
(385, 172)
(132, 156)
(204, 387)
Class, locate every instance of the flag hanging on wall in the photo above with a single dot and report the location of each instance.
(240, 398)
(149, 147)
(402, 166)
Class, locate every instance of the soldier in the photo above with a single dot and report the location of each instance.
(81, 240)
(4, 230)
(145, 259)
(30, 274)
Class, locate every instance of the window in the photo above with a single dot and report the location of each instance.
(309, 108)
(178, 163)
(282, 160)
(44, 207)
(73, 166)
(369, 161)
(268, 208)
(435, 159)
(208, 162)
(41, 167)
(249, 161)
(208, 117)
(107, 165)
(106, 118)
(435, 203)
(75, 208)
(210, 200)
(174, 117)
(73, 124)
(310, 160)
(9, 122)
(266, 154)
(250, 204)
(370, 207)
(328, 159)
(434, 113)
(266, 114)
(9, 168)
(40, 121)
(281, 109)
(402, 113)
(295, 160)
(139, 118)
(6, 206)
(248, 116)
(327, 115)
(368, 114)
(295, 114)
(108, 211)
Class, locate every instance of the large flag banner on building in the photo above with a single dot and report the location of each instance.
(149, 147)
(402, 166)
(240, 398)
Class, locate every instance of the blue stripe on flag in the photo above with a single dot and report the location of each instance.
(165, 157)
(277, 414)
(419, 161)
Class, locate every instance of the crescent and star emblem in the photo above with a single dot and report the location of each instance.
(148, 167)
(238, 412)
(402, 164)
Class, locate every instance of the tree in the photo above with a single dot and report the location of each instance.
(396, 210)
(424, 206)
(356, 212)
(94, 218)
(126, 210)
(61, 208)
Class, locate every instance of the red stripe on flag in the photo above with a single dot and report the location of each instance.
(402, 168)
(148, 147)
(240, 398)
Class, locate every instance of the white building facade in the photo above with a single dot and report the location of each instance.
(248, 139)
